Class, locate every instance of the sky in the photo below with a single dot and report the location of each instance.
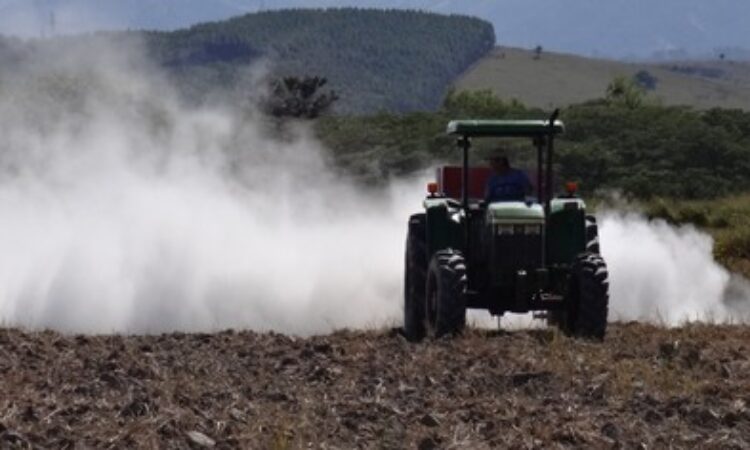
(613, 28)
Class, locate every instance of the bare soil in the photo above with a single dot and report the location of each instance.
(644, 387)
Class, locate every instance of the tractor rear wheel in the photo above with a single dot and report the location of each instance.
(446, 294)
(415, 279)
(558, 318)
(587, 300)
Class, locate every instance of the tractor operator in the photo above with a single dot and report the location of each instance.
(506, 183)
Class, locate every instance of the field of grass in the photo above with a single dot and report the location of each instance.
(557, 80)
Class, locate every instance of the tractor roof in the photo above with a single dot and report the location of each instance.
(503, 128)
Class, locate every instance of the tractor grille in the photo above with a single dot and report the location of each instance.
(513, 252)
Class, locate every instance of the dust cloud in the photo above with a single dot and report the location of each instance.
(125, 210)
(666, 274)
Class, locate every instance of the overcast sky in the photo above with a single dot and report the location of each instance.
(615, 28)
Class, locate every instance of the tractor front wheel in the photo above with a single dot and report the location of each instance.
(446, 289)
(587, 300)
(415, 279)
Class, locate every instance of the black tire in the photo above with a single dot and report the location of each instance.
(415, 279)
(446, 294)
(587, 299)
(592, 235)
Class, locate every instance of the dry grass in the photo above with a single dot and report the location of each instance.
(726, 219)
(645, 385)
(558, 80)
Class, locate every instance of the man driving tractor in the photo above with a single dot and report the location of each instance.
(506, 183)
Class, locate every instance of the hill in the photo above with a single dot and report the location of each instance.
(402, 61)
(617, 28)
(556, 79)
(376, 60)
(643, 387)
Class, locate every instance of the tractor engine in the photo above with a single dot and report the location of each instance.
(514, 245)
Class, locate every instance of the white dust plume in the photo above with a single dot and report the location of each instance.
(122, 210)
(666, 274)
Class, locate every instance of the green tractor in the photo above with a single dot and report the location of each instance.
(540, 255)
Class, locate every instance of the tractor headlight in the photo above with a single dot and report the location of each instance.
(504, 230)
(533, 230)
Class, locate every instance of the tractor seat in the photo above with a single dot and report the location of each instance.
(449, 179)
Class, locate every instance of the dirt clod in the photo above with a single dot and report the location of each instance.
(201, 440)
(429, 420)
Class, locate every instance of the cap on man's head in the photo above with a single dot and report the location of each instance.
(498, 154)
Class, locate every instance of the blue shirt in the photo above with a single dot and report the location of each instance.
(511, 186)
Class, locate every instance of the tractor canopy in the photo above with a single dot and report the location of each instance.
(503, 128)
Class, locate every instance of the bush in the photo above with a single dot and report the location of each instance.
(734, 244)
(645, 80)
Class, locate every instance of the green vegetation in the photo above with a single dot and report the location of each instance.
(625, 92)
(658, 151)
(642, 150)
(379, 147)
(375, 60)
(645, 80)
(299, 98)
(726, 219)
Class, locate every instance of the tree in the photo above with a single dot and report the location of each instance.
(300, 97)
(481, 104)
(624, 91)
(538, 52)
(645, 80)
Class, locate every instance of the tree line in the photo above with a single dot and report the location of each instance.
(640, 149)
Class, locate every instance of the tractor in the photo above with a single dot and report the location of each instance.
(539, 256)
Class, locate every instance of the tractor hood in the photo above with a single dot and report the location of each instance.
(515, 213)
(560, 204)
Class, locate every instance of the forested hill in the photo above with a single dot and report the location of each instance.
(374, 59)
